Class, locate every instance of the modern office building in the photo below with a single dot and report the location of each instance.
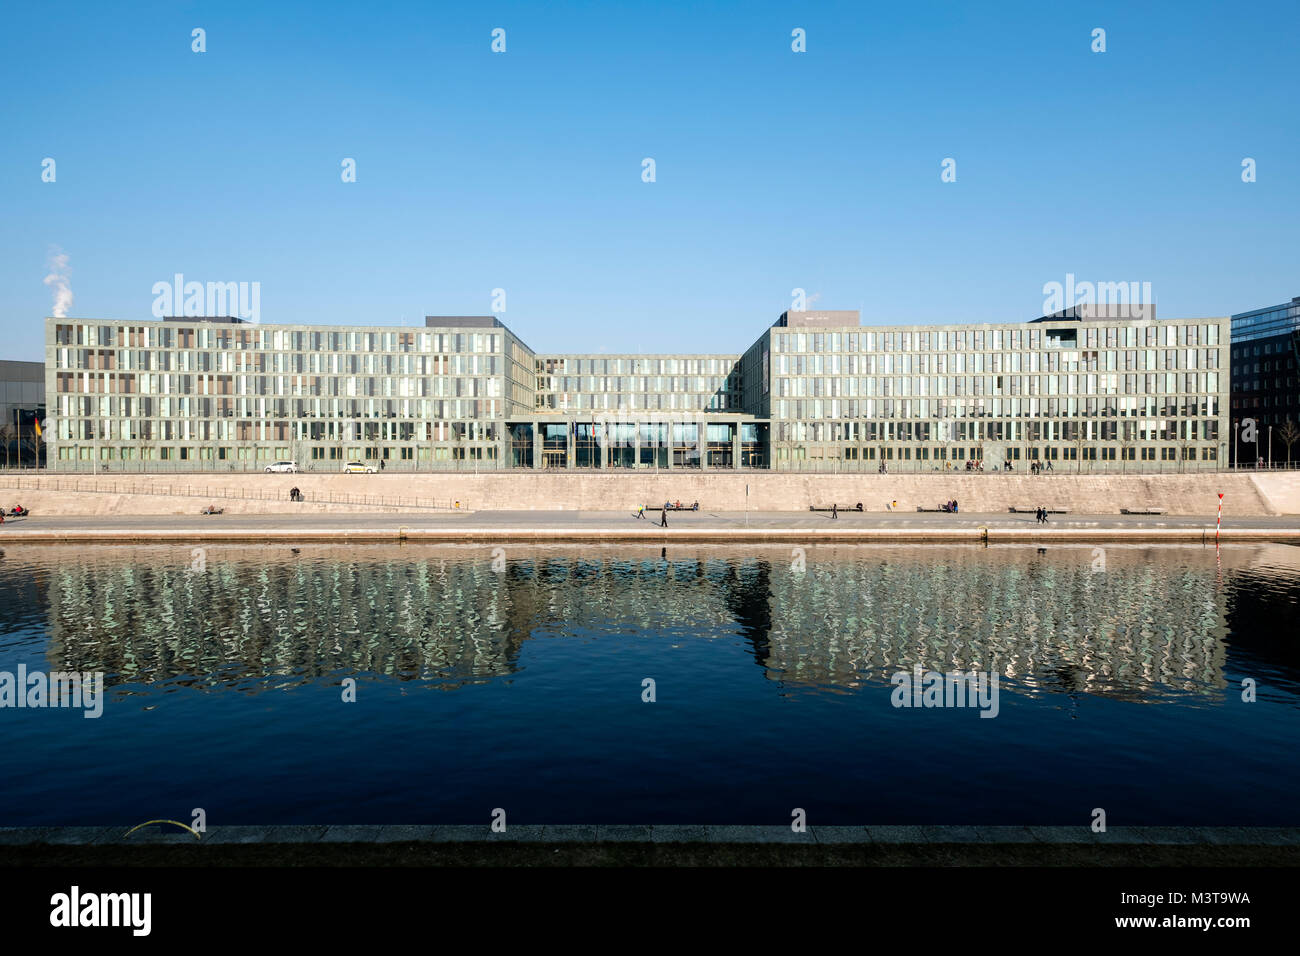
(1081, 389)
(22, 414)
(1265, 386)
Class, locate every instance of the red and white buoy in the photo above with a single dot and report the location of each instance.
(1219, 519)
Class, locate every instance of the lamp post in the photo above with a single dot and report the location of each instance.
(1270, 446)
(1235, 454)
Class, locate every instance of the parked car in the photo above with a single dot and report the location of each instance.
(282, 468)
(358, 468)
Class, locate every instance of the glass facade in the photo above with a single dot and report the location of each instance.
(1265, 387)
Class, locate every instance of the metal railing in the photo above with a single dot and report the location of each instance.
(102, 486)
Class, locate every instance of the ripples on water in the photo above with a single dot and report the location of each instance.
(1178, 627)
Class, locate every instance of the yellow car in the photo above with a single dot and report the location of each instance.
(358, 468)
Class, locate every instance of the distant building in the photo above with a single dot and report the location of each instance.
(1084, 390)
(1265, 384)
(22, 405)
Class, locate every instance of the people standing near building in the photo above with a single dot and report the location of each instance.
(835, 511)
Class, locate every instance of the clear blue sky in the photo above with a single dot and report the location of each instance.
(522, 170)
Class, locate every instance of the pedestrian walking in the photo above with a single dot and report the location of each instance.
(835, 511)
(663, 518)
(640, 512)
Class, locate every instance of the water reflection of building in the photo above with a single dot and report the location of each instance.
(147, 620)
(1153, 620)
(1044, 621)
(1261, 609)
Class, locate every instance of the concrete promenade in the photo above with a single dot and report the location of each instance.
(602, 526)
(1245, 493)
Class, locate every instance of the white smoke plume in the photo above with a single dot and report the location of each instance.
(58, 281)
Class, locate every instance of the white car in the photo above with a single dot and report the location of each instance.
(282, 468)
(358, 468)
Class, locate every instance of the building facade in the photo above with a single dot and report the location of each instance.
(817, 391)
(22, 413)
(1085, 392)
(1265, 386)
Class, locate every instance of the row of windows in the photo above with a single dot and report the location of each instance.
(1168, 383)
(320, 363)
(958, 456)
(959, 431)
(658, 383)
(262, 388)
(943, 363)
(1276, 366)
(268, 338)
(653, 402)
(1190, 406)
(128, 429)
(635, 365)
(207, 453)
(996, 340)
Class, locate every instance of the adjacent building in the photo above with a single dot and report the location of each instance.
(1086, 389)
(22, 413)
(1265, 387)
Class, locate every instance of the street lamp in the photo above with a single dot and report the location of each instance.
(1236, 456)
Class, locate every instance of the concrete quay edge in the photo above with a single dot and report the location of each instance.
(671, 833)
(1205, 535)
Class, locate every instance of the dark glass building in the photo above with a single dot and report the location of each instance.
(1265, 386)
(22, 405)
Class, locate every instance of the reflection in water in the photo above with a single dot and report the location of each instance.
(1152, 623)
(1044, 622)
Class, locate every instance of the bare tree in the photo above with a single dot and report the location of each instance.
(1290, 434)
(6, 436)
(35, 444)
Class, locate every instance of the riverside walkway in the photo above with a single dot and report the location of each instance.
(720, 526)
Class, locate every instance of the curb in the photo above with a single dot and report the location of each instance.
(657, 536)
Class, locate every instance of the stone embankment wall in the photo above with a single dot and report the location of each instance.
(1192, 494)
